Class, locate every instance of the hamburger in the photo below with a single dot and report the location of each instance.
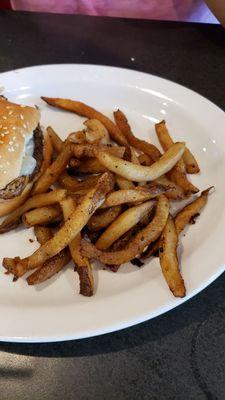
(21, 153)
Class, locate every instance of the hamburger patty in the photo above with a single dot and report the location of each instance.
(16, 187)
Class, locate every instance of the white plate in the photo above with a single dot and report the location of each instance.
(54, 310)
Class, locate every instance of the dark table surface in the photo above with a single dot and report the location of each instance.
(181, 354)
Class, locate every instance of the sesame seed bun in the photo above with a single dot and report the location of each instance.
(16, 124)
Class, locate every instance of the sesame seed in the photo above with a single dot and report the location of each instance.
(24, 125)
(21, 116)
(4, 172)
(12, 149)
(1, 142)
(22, 105)
(11, 142)
(14, 137)
(6, 133)
(5, 127)
(7, 162)
(4, 117)
(10, 112)
(9, 149)
(13, 128)
(24, 135)
(2, 135)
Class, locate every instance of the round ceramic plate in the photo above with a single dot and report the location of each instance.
(54, 310)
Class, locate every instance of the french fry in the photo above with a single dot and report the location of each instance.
(57, 143)
(83, 266)
(96, 132)
(142, 145)
(67, 182)
(75, 186)
(88, 112)
(176, 192)
(178, 176)
(50, 268)
(139, 173)
(91, 166)
(42, 215)
(52, 173)
(42, 233)
(127, 220)
(145, 160)
(77, 137)
(143, 238)
(39, 200)
(184, 216)
(166, 141)
(168, 259)
(47, 153)
(102, 220)
(178, 173)
(124, 183)
(190, 162)
(134, 158)
(89, 150)
(94, 198)
(132, 195)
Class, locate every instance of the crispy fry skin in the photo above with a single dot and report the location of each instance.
(57, 143)
(102, 220)
(143, 238)
(127, 220)
(88, 112)
(42, 215)
(50, 268)
(184, 216)
(36, 201)
(142, 145)
(168, 259)
(166, 141)
(133, 195)
(42, 233)
(83, 266)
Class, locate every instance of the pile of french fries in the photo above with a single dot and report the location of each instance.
(105, 195)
